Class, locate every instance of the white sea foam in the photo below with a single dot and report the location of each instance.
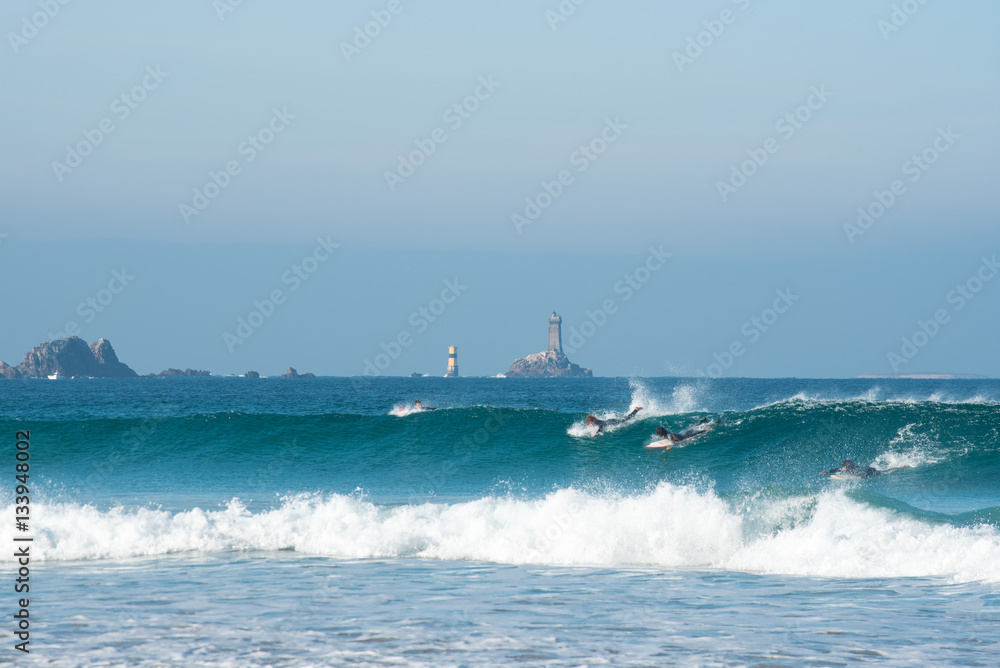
(876, 395)
(402, 410)
(909, 449)
(942, 398)
(827, 535)
(799, 398)
(683, 399)
(843, 538)
(580, 428)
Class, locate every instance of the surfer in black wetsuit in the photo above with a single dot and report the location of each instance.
(420, 407)
(601, 424)
(850, 468)
(685, 434)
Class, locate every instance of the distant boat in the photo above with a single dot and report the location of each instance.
(417, 374)
(55, 376)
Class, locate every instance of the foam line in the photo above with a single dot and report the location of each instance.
(826, 534)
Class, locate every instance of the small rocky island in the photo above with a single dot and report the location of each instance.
(68, 358)
(177, 373)
(292, 373)
(551, 363)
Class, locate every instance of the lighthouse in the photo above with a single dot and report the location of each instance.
(555, 333)
(452, 362)
(552, 362)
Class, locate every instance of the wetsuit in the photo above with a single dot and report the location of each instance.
(601, 424)
(685, 434)
(854, 469)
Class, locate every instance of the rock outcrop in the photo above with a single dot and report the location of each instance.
(177, 373)
(292, 373)
(548, 364)
(251, 374)
(70, 357)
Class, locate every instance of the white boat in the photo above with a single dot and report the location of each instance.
(55, 376)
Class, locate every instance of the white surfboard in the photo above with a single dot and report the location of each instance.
(845, 476)
(664, 444)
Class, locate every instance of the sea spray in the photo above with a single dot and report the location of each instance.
(826, 535)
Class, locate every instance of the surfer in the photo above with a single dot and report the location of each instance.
(601, 424)
(685, 434)
(417, 406)
(850, 468)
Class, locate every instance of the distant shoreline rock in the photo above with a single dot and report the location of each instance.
(177, 373)
(70, 358)
(292, 373)
(927, 376)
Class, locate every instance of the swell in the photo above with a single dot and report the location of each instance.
(933, 448)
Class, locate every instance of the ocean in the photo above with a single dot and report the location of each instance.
(271, 522)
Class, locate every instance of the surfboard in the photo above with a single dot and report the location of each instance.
(664, 444)
(845, 476)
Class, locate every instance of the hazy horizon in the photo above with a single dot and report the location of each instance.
(839, 155)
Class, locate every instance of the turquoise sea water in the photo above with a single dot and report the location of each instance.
(224, 521)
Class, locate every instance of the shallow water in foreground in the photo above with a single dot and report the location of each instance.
(287, 609)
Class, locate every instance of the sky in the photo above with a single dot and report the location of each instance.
(734, 188)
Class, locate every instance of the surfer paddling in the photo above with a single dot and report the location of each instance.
(850, 468)
(601, 424)
(685, 434)
(417, 406)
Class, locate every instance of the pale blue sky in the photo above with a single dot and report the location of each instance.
(891, 95)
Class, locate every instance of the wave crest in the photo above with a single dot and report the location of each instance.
(824, 535)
